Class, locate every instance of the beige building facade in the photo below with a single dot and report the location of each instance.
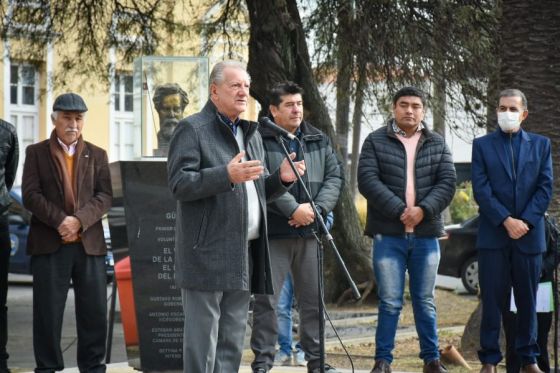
(27, 93)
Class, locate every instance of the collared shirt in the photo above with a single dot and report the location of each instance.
(294, 144)
(253, 206)
(68, 149)
(231, 124)
(410, 144)
(399, 131)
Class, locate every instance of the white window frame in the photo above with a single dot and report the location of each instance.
(124, 133)
(19, 114)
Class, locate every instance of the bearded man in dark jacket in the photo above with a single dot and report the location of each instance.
(407, 175)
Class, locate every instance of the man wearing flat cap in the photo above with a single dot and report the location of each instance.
(66, 185)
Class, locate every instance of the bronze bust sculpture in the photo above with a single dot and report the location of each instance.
(170, 101)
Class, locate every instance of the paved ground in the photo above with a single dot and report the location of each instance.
(20, 336)
(123, 368)
(20, 318)
(20, 341)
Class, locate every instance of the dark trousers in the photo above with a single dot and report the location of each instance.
(51, 281)
(298, 257)
(513, 361)
(5, 248)
(498, 271)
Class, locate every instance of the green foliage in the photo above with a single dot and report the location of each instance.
(84, 31)
(421, 43)
(463, 205)
(361, 207)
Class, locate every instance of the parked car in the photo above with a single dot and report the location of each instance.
(459, 254)
(19, 219)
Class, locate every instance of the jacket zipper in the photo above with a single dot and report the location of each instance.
(512, 157)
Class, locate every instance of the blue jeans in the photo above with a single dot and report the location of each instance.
(392, 257)
(284, 317)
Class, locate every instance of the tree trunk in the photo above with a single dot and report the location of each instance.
(343, 78)
(470, 341)
(278, 51)
(491, 104)
(530, 62)
(439, 105)
(357, 125)
(439, 73)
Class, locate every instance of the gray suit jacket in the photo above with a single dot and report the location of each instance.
(211, 248)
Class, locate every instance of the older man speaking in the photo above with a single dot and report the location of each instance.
(216, 173)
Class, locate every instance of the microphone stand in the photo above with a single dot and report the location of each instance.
(323, 229)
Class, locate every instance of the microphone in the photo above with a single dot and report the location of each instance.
(267, 123)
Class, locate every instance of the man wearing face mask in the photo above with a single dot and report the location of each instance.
(512, 184)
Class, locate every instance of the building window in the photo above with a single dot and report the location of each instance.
(125, 133)
(123, 93)
(23, 82)
(23, 106)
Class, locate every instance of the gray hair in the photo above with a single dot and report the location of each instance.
(54, 115)
(217, 74)
(512, 92)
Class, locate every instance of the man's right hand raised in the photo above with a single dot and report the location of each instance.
(239, 171)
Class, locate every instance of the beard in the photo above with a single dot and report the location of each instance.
(167, 126)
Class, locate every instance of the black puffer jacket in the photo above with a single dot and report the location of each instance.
(9, 156)
(382, 181)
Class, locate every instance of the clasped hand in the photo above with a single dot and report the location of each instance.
(516, 228)
(412, 216)
(69, 228)
(302, 216)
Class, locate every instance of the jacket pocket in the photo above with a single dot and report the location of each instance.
(201, 230)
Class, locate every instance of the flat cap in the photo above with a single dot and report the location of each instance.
(70, 102)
